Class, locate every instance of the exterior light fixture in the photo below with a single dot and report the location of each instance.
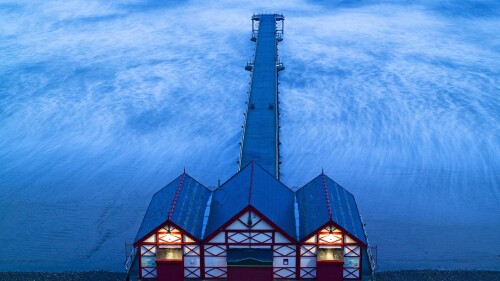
(169, 236)
(330, 234)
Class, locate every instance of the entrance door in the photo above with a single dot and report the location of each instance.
(249, 273)
(169, 270)
(329, 270)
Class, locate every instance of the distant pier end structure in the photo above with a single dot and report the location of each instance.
(253, 227)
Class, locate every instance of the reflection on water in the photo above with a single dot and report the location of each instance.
(103, 104)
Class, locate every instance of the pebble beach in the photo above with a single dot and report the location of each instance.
(404, 275)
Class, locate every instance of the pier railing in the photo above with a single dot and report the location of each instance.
(370, 249)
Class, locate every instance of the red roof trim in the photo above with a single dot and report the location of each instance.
(249, 208)
(275, 226)
(138, 242)
(336, 226)
(327, 198)
(174, 201)
(225, 225)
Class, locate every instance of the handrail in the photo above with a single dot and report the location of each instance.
(130, 258)
(277, 122)
(373, 262)
(248, 107)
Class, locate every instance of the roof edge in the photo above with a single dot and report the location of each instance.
(239, 214)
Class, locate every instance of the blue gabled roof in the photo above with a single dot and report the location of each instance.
(186, 211)
(185, 201)
(274, 200)
(314, 210)
(256, 187)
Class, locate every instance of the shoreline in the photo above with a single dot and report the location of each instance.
(397, 275)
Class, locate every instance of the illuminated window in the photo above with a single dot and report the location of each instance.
(330, 254)
(169, 254)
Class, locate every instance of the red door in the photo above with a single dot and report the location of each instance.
(169, 270)
(329, 270)
(249, 273)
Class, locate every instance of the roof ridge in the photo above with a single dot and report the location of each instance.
(177, 192)
(327, 197)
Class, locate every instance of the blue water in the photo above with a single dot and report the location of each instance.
(102, 103)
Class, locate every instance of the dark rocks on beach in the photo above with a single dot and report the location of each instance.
(66, 276)
(439, 275)
(403, 275)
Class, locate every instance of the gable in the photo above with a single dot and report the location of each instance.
(168, 234)
(253, 186)
(182, 201)
(345, 210)
(249, 228)
(323, 200)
